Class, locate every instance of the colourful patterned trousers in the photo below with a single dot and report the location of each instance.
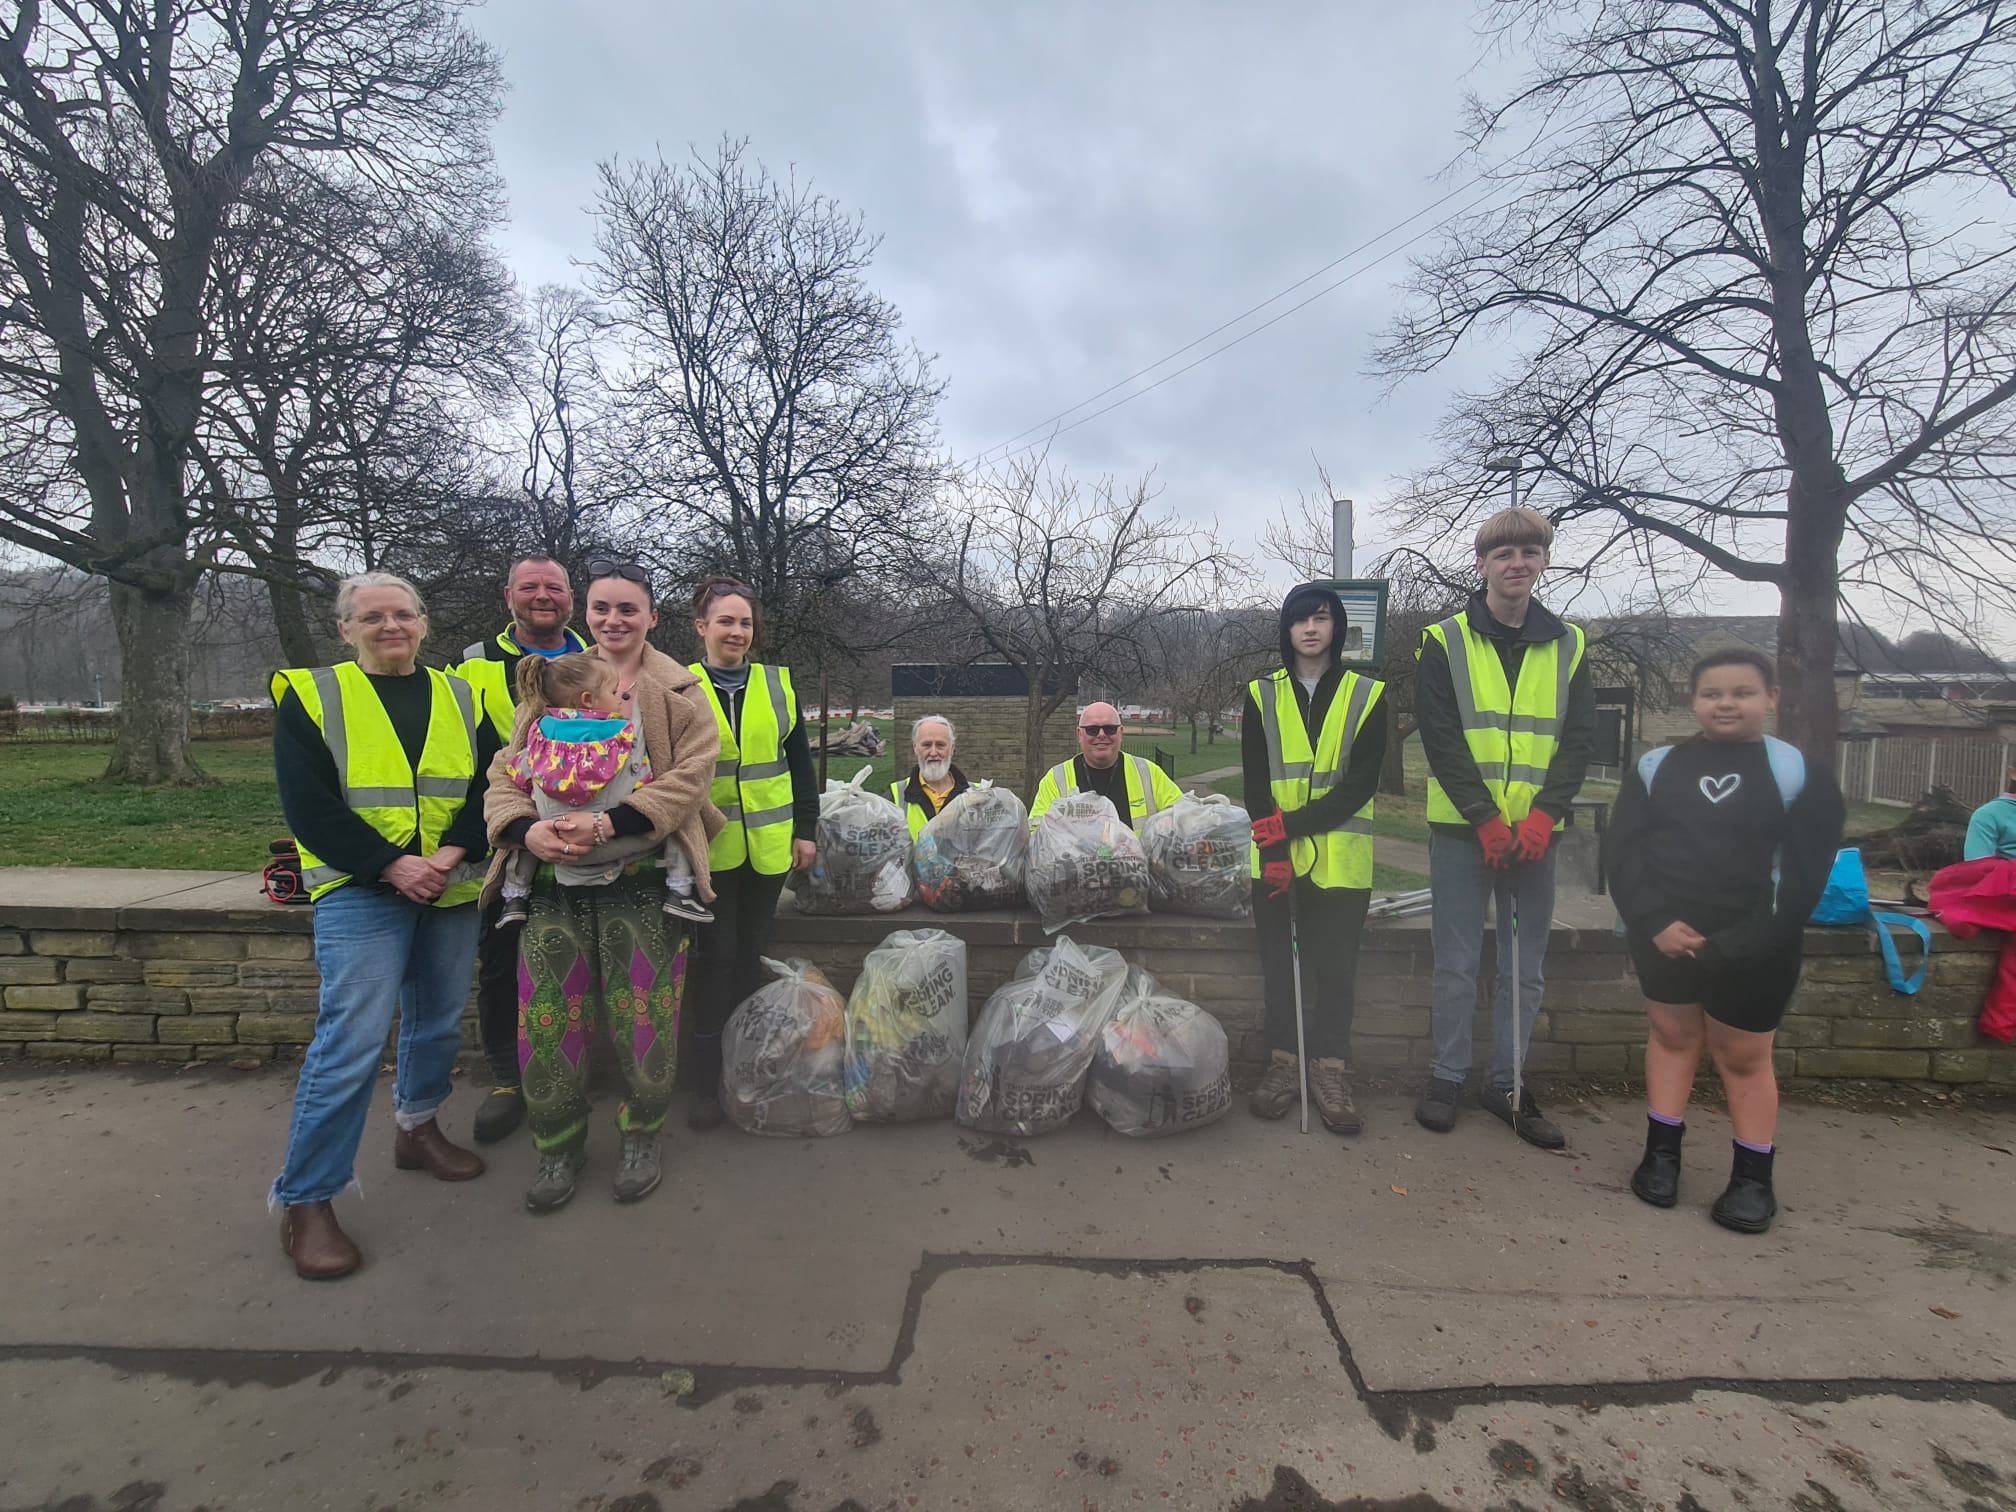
(587, 950)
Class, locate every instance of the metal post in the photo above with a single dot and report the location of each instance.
(825, 723)
(1341, 542)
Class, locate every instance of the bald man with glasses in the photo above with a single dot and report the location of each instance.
(1135, 787)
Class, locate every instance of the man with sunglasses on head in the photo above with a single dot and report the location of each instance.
(1136, 788)
(541, 601)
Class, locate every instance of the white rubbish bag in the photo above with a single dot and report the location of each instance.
(1027, 1056)
(1163, 1065)
(782, 1056)
(906, 1028)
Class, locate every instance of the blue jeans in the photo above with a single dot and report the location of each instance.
(378, 954)
(1463, 886)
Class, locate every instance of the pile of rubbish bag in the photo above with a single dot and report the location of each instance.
(1084, 863)
(972, 853)
(1163, 1065)
(1028, 1054)
(906, 1028)
(782, 1056)
(864, 853)
(1200, 857)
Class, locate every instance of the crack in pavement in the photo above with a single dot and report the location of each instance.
(1395, 1410)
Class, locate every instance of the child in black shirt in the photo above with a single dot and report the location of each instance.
(1720, 859)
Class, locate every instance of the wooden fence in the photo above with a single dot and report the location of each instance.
(1899, 768)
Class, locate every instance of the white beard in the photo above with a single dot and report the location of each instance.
(934, 771)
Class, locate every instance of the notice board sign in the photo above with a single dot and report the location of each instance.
(1364, 620)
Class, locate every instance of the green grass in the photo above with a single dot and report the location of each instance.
(54, 810)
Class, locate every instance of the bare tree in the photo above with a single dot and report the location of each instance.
(771, 413)
(1203, 660)
(129, 138)
(1760, 260)
(1065, 581)
(564, 433)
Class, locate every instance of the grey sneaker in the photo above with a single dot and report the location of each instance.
(553, 1186)
(637, 1169)
(515, 910)
(1531, 1125)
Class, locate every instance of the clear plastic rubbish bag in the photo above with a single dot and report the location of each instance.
(782, 1056)
(1027, 1056)
(1200, 857)
(1084, 863)
(1163, 1065)
(972, 853)
(864, 853)
(906, 1028)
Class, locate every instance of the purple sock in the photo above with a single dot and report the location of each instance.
(1666, 1119)
(1754, 1149)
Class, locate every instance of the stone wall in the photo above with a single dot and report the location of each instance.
(156, 983)
(990, 732)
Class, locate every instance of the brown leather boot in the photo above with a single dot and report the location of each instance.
(316, 1243)
(1330, 1090)
(427, 1149)
(1280, 1088)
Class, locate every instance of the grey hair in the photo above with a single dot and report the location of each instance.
(917, 728)
(350, 587)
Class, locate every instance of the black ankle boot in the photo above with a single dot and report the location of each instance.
(1657, 1179)
(1747, 1205)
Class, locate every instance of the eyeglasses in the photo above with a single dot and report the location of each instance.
(405, 618)
(630, 572)
(1099, 729)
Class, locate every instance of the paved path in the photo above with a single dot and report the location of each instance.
(921, 1317)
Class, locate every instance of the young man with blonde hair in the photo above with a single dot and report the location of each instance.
(1508, 720)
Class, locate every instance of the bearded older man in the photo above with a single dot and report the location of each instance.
(933, 781)
(1135, 787)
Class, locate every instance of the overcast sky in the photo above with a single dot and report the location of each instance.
(1066, 194)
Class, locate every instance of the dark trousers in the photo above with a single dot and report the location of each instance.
(497, 995)
(727, 965)
(1328, 924)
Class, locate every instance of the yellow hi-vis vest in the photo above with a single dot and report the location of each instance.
(483, 668)
(918, 814)
(1512, 732)
(1149, 789)
(752, 780)
(380, 786)
(1298, 775)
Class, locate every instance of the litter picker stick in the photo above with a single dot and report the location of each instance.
(1518, 1008)
(1295, 966)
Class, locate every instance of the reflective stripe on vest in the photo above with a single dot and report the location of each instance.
(1297, 774)
(1512, 732)
(752, 778)
(376, 780)
(484, 670)
(1142, 800)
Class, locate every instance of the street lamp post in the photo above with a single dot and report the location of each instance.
(1510, 463)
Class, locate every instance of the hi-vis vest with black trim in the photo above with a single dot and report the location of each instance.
(378, 783)
(917, 814)
(1149, 789)
(752, 780)
(484, 668)
(1298, 775)
(1512, 732)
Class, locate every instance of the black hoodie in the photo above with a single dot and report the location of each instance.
(1368, 748)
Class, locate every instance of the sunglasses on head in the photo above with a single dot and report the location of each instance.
(630, 572)
(1099, 729)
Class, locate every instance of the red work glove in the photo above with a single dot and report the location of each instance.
(1271, 830)
(1536, 833)
(1496, 837)
(1279, 877)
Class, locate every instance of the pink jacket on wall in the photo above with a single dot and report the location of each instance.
(1978, 895)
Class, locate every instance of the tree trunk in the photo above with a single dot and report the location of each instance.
(152, 747)
(1193, 734)
(1808, 619)
(291, 620)
(1032, 735)
(1393, 773)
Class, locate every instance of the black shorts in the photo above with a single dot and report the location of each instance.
(1751, 997)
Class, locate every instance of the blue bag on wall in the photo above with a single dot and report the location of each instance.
(1846, 901)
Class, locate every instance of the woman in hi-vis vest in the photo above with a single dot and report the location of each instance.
(380, 766)
(768, 790)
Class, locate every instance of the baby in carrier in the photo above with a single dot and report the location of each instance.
(583, 756)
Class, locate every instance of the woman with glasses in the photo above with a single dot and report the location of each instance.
(380, 767)
(768, 791)
(610, 947)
